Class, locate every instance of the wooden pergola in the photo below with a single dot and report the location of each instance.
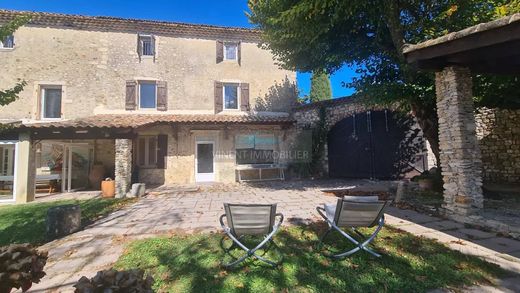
(492, 48)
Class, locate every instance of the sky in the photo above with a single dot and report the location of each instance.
(215, 12)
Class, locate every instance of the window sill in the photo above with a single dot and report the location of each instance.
(6, 49)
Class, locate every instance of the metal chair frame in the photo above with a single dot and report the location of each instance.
(250, 252)
(360, 245)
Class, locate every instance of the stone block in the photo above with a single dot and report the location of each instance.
(62, 220)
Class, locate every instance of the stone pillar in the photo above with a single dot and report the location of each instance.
(459, 150)
(25, 175)
(123, 170)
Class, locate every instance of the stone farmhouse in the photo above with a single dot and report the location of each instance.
(174, 103)
(149, 101)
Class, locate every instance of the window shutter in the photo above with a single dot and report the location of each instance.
(239, 53)
(153, 48)
(218, 97)
(139, 46)
(162, 96)
(162, 150)
(244, 97)
(131, 95)
(220, 51)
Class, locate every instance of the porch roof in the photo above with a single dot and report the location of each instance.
(491, 47)
(119, 121)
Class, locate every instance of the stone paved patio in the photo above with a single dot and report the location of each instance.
(169, 210)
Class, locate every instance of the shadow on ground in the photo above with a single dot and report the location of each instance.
(192, 263)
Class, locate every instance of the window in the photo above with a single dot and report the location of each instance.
(230, 96)
(146, 45)
(255, 149)
(147, 94)
(7, 42)
(230, 51)
(147, 151)
(7, 170)
(51, 102)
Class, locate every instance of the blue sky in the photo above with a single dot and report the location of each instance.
(216, 12)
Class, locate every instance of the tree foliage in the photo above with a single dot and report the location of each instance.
(311, 35)
(320, 87)
(10, 95)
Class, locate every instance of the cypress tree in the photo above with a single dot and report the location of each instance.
(320, 87)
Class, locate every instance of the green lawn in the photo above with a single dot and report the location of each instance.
(23, 223)
(191, 263)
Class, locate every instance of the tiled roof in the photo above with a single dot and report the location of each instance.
(138, 120)
(479, 28)
(104, 23)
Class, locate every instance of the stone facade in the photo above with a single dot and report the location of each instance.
(498, 132)
(180, 156)
(123, 168)
(92, 68)
(460, 152)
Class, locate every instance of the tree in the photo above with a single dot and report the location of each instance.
(320, 87)
(311, 35)
(10, 95)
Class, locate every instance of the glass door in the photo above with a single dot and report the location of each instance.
(7, 168)
(78, 158)
(204, 165)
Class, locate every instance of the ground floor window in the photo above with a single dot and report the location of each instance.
(7, 169)
(255, 149)
(147, 151)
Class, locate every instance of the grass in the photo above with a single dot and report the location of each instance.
(191, 263)
(25, 223)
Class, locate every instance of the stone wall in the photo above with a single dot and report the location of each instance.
(92, 67)
(498, 132)
(459, 150)
(180, 160)
(336, 110)
(123, 168)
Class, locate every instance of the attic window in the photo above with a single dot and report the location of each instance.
(146, 45)
(230, 51)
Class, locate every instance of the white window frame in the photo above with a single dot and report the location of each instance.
(142, 45)
(147, 163)
(154, 82)
(224, 96)
(42, 101)
(7, 48)
(235, 58)
(15, 162)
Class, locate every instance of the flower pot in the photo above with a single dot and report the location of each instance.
(425, 183)
(108, 188)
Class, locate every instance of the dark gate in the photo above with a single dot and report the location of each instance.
(372, 144)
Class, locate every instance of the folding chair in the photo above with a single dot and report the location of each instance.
(353, 212)
(250, 219)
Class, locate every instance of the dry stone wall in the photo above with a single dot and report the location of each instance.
(498, 132)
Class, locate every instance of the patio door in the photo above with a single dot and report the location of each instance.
(76, 166)
(204, 161)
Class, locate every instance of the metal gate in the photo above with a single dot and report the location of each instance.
(373, 144)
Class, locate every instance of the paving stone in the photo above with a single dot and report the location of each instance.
(474, 234)
(444, 225)
(412, 216)
(500, 244)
